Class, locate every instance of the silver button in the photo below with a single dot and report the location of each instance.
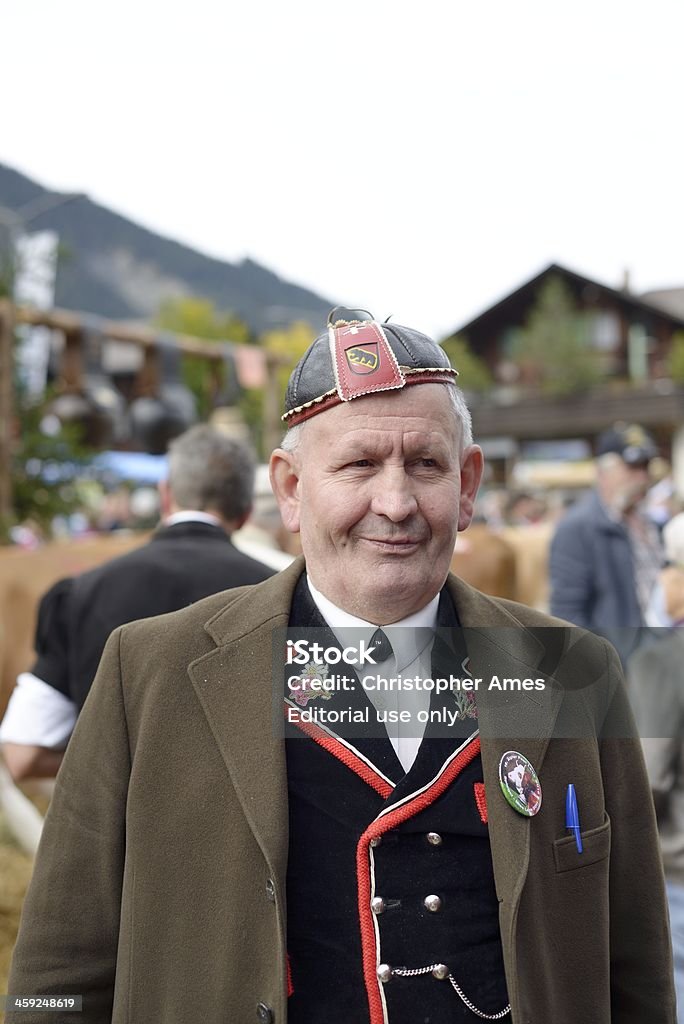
(376, 842)
(440, 971)
(270, 890)
(432, 903)
(264, 1013)
(434, 839)
(384, 973)
(377, 904)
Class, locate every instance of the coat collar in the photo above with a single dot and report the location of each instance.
(234, 685)
(189, 528)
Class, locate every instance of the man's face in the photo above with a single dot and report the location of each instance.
(622, 485)
(377, 490)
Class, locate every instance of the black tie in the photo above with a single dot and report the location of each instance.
(382, 648)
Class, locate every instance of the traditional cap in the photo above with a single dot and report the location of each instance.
(629, 441)
(361, 357)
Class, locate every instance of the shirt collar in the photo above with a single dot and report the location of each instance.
(409, 636)
(192, 517)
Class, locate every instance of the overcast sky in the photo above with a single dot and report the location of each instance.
(420, 159)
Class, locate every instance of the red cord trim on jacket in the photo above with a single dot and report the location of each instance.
(290, 986)
(481, 801)
(341, 752)
(376, 829)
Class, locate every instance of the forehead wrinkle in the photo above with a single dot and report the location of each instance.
(378, 415)
(388, 424)
(397, 440)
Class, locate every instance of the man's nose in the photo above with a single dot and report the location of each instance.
(393, 496)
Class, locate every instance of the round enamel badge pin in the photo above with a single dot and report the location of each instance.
(520, 783)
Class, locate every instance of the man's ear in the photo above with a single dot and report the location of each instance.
(472, 465)
(284, 475)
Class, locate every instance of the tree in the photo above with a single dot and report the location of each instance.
(553, 349)
(48, 467)
(200, 318)
(46, 464)
(473, 372)
(675, 361)
(288, 344)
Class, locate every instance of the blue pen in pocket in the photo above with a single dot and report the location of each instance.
(572, 815)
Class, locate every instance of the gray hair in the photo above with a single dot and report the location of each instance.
(293, 437)
(210, 471)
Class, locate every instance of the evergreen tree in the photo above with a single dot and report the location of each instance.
(46, 466)
(675, 363)
(48, 469)
(553, 349)
(199, 318)
(473, 372)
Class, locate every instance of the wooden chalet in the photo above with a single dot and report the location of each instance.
(632, 336)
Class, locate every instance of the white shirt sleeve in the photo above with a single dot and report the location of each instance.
(38, 715)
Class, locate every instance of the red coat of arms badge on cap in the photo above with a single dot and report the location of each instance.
(363, 360)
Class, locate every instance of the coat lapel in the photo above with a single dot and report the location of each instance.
(498, 644)
(235, 687)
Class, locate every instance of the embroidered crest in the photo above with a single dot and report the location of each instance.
(309, 685)
(465, 699)
(465, 702)
(361, 349)
(363, 360)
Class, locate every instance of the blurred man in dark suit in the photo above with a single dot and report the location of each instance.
(207, 495)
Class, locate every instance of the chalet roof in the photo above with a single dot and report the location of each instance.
(670, 300)
(628, 300)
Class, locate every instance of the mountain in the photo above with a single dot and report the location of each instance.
(117, 269)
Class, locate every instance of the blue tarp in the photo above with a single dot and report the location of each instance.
(136, 467)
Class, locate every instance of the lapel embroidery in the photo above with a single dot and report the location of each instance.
(309, 685)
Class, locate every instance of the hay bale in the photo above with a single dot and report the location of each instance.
(15, 874)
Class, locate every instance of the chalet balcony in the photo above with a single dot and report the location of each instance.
(513, 412)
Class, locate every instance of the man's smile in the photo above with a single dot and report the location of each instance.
(394, 545)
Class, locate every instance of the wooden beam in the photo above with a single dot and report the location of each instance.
(71, 366)
(70, 322)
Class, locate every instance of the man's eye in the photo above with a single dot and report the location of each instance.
(361, 463)
(430, 463)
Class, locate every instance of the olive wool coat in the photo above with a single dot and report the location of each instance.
(159, 886)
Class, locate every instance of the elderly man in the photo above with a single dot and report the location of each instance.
(606, 555)
(197, 865)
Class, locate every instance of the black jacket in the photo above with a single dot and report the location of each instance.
(180, 565)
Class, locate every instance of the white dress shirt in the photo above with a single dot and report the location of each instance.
(411, 639)
(38, 715)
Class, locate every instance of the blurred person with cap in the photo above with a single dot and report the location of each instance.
(606, 554)
(208, 494)
(656, 688)
(204, 861)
